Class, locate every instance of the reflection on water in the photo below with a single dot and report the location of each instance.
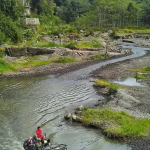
(127, 81)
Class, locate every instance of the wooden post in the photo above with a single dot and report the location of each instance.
(106, 53)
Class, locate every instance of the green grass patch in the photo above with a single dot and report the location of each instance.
(145, 70)
(117, 124)
(134, 31)
(36, 63)
(112, 87)
(90, 44)
(72, 45)
(5, 67)
(20, 65)
(140, 76)
(64, 59)
(98, 57)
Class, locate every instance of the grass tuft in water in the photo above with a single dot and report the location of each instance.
(112, 87)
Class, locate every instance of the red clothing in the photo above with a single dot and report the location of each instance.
(39, 133)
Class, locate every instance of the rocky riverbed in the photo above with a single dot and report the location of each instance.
(134, 100)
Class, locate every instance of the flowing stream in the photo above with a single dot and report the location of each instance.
(28, 102)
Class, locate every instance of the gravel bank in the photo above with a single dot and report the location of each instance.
(134, 100)
(56, 68)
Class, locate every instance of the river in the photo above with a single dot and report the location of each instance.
(26, 103)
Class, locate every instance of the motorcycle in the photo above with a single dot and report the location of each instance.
(51, 147)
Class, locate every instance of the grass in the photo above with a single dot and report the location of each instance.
(112, 87)
(29, 64)
(5, 67)
(71, 44)
(48, 44)
(90, 44)
(129, 31)
(140, 76)
(98, 57)
(32, 62)
(117, 124)
(143, 70)
(64, 59)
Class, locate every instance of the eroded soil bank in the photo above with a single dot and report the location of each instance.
(134, 100)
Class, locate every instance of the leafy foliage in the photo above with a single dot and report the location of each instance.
(83, 14)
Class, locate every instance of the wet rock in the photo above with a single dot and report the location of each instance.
(79, 108)
(76, 118)
(68, 116)
(78, 112)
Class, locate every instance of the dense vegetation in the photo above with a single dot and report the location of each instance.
(70, 16)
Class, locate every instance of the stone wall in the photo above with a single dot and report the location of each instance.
(28, 51)
(32, 21)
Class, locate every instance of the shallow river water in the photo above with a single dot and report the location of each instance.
(26, 103)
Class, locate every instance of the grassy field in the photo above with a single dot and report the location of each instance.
(116, 124)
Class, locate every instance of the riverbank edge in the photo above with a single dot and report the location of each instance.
(105, 119)
(57, 68)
